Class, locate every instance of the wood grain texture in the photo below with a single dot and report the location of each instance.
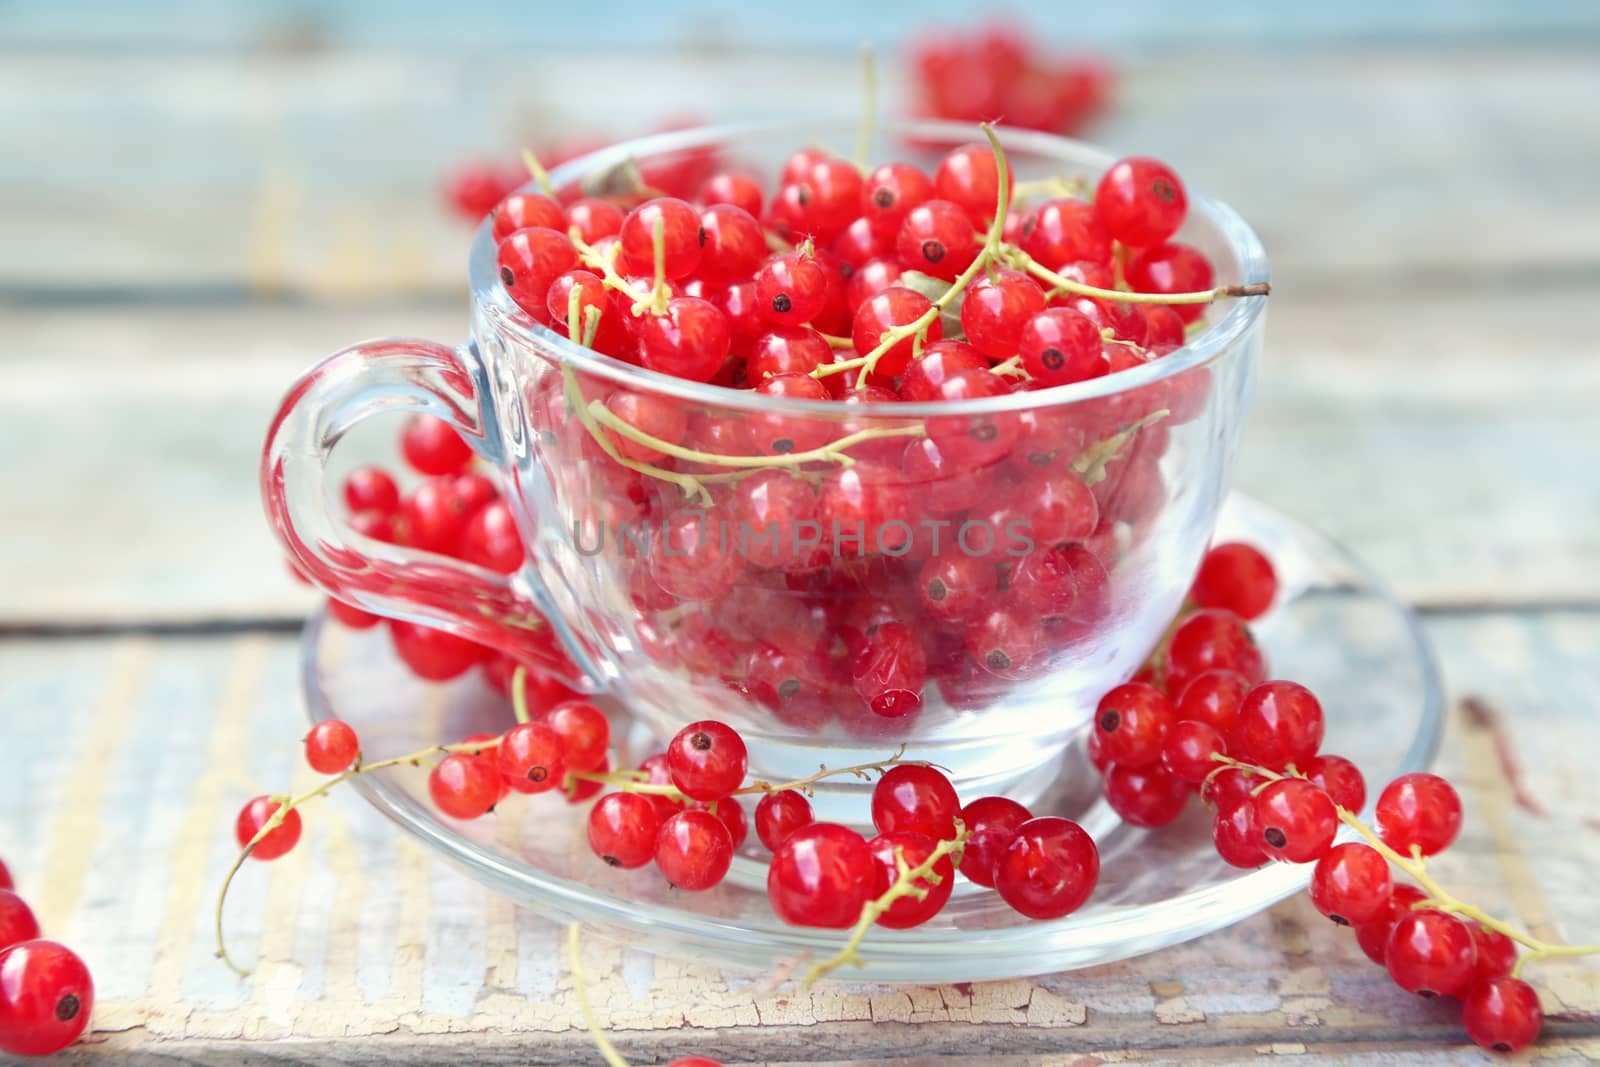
(317, 171)
(369, 951)
(1394, 425)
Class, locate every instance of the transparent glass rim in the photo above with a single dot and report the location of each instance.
(1201, 349)
(901, 955)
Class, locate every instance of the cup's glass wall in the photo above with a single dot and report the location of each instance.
(786, 568)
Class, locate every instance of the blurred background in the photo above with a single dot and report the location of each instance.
(198, 199)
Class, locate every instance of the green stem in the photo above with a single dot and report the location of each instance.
(869, 106)
(541, 177)
(519, 698)
(687, 482)
(1018, 258)
(580, 981)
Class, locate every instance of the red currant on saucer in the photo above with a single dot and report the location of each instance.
(1502, 1014)
(1431, 953)
(913, 850)
(821, 876)
(622, 829)
(707, 760)
(916, 799)
(693, 850)
(1049, 869)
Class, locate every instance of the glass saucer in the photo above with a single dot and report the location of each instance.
(1336, 629)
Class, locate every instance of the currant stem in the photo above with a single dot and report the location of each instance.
(1051, 186)
(541, 177)
(288, 804)
(657, 302)
(1438, 897)
(606, 264)
(1018, 258)
(905, 885)
(1012, 367)
(687, 482)
(869, 106)
(835, 341)
(860, 770)
(519, 699)
(580, 981)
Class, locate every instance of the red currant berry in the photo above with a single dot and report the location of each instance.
(969, 177)
(1233, 832)
(916, 799)
(529, 261)
(1066, 231)
(707, 760)
(690, 341)
(622, 829)
(594, 219)
(520, 211)
(913, 850)
(1163, 327)
(46, 997)
(731, 813)
(492, 540)
(1280, 724)
(254, 816)
(1497, 953)
(781, 435)
(1059, 346)
(682, 238)
(16, 920)
(1214, 698)
(1431, 953)
(432, 446)
(740, 190)
(1340, 779)
(787, 350)
(734, 245)
(791, 289)
(1172, 268)
(1230, 784)
(656, 416)
(1295, 821)
(955, 588)
(688, 557)
(1208, 641)
(332, 746)
(871, 278)
(1049, 869)
(882, 312)
(828, 196)
(822, 875)
(1188, 749)
(1235, 577)
(1140, 201)
(780, 814)
(937, 239)
(371, 489)
(352, 616)
(938, 362)
(1147, 797)
(859, 244)
(1351, 884)
(1062, 581)
(1421, 811)
(996, 308)
(992, 824)
(693, 850)
(464, 786)
(1133, 721)
(532, 758)
(1502, 1014)
(433, 654)
(890, 193)
(584, 733)
(888, 669)
(434, 516)
(1374, 936)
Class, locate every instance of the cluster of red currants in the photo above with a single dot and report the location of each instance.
(994, 73)
(1206, 720)
(46, 993)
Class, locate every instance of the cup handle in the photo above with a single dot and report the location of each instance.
(386, 376)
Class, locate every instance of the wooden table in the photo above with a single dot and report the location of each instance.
(176, 249)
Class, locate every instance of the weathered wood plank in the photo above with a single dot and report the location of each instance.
(317, 171)
(371, 952)
(1401, 426)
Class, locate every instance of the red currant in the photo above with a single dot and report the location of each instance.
(492, 540)
(1340, 779)
(656, 416)
(622, 829)
(1049, 869)
(938, 239)
(938, 362)
(433, 654)
(1140, 201)
(1236, 577)
(914, 849)
(254, 816)
(432, 446)
(890, 193)
(1006, 641)
(1188, 749)
(688, 557)
(1062, 581)
(734, 245)
(707, 760)
(955, 588)
(996, 308)
(740, 190)
(46, 997)
(372, 489)
(822, 875)
(787, 350)
(888, 669)
(1374, 936)
(882, 312)
(690, 341)
(1211, 640)
(1351, 884)
(1497, 953)
(1214, 698)
(1431, 953)
(352, 616)
(594, 219)
(693, 850)
(16, 920)
(731, 814)
(1066, 231)
(1421, 811)
(992, 824)
(529, 261)
(780, 814)
(1133, 721)
(331, 747)
(1295, 821)
(791, 289)
(532, 758)
(916, 799)
(969, 177)
(682, 238)
(583, 730)
(1172, 268)
(1233, 832)
(1502, 1014)
(520, 211)
(1147, 797)
(464, 786)
(1280, 724)
(973, 440)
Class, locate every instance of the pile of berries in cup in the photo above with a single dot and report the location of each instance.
(46, 993)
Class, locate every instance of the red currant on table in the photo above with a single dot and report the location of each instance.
(821, 876)
(1140, 201)
(464, 786)
(254, 816)
(622, 829)
(1351, 884)
(991, 824)
(532, 758)
(1431, 953)
(331, 747)
(917, 799)
(1419, 811)
(914, 850)
(780, 814)
(1373, 937)
(707, 760)
(1236, 577)
(1294, 820)
(1497, 953)
(46, 997)
(693, 850)
(1049, 869)
(17, 922)
(1502, 1014)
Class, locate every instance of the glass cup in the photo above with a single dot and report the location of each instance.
(834, 580)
